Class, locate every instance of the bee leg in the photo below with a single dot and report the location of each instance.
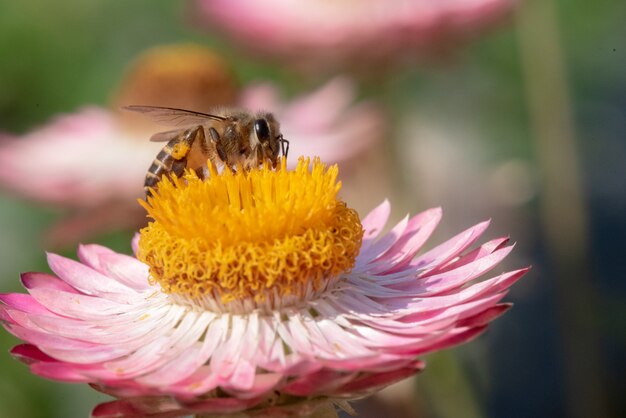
(180, 151)
(201, 173)
(215, 137)
(178, 167)
(182, 147)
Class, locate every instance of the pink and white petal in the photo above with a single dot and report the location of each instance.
(58, 371)
(89, 281)
(453, 314)
(272, 355)
(182, 357)
(443, 253)
(47, 341)
(140, 407)
(124, 389)
(33, 280)
(29, 354)
(134, 243)
(202, 380)
(194, 377)
(343, 342)
(319, 109)
(174, 371)
(146, 331)
(224, 361)
(453, 338)
(243, 377)
(160, 349)
(374, 223)
(321, 382)
(127, 270)
(262, 385)
(325, 122)
(370, 383)
(486, 316)
(24, 303)
(77, 305)
(380, 246)
(482, 251)
(418, 230)
(220, 405)
(56, 325)
(430, 285)
(303, 328)
(76, 182)
(406, 306)
(86, 356)
(381, 361)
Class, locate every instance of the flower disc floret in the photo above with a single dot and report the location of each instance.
(261, 234)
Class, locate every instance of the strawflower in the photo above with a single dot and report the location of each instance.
(370, 34)
(256, 294)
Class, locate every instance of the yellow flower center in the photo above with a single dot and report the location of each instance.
(259, 235)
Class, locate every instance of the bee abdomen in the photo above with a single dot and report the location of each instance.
(162, 165)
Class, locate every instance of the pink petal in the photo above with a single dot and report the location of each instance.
(377, 381)
(155, 353)
(135, 243)
(453, 338)
(374, 223)
(89, 281)
(321, 382)
(58, 371)
(442, 282)
(24, 303)
(486, 316)
(263, 384)
(482, 251)
(125, 269)
(28, 353)
(45, 281)
(76, 305)
(43, 340)
(383, 244)
(418, 230)
(453, 314)
(449, 249)
(485, 288)
(139, 407)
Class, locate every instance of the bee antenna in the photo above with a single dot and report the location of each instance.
(283, 141)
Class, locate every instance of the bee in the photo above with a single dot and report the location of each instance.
(229, 137)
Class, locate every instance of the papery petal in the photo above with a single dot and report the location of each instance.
(86, 279)
(127, 270)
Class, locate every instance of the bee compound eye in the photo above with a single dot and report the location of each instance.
(262, 130)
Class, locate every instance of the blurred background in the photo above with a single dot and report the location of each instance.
(514, 111)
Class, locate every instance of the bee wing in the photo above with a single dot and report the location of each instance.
(166, 136)
(174, 117)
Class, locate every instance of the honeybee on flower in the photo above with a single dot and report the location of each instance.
(93, 156)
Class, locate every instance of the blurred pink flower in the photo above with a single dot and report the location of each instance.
(91, 163)
(99, 321)
(327, 34)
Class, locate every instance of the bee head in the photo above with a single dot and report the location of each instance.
(267, 132)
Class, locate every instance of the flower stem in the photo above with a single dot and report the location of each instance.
(563, 209)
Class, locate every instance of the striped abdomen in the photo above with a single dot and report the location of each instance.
(164, 164)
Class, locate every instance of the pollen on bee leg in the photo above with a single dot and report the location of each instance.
(180, 150)
(250, 238)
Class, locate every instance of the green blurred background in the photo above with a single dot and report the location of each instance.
(514, 105)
